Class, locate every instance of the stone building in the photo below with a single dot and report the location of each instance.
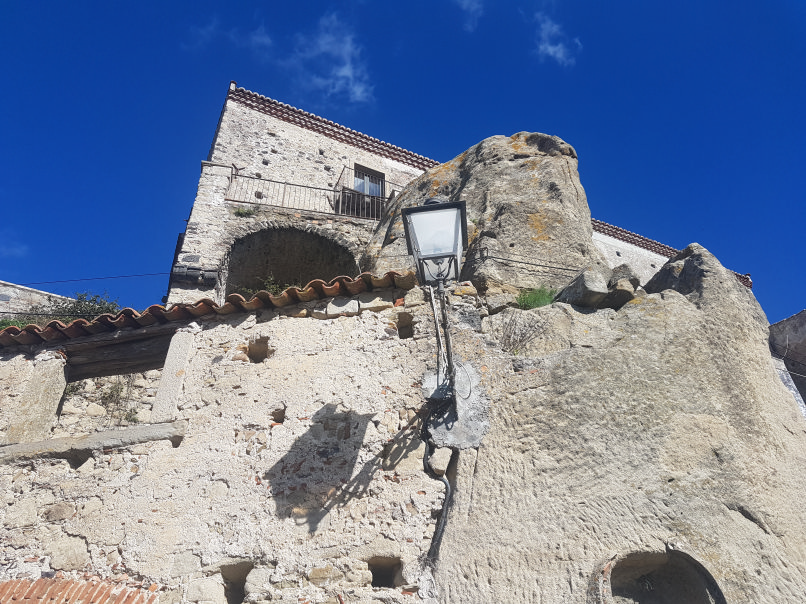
(638, 444)
(17, 299)
(278, 178)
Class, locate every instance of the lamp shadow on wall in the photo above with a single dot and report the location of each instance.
(320, 473)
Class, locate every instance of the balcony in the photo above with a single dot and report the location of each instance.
(354, 195)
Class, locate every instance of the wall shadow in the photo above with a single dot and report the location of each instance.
(318, 473)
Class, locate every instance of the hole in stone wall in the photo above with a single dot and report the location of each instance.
(405, 325)
(278, 415)
(258, 194)
(286, 257)
(662, 578)
(258, 350)
(386, 571)
(234, 576)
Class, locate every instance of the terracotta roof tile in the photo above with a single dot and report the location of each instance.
(69, 591)
(56, 331)
(312, 122)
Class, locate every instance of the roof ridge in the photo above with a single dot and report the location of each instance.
(326, 127)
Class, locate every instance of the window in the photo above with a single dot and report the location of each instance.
(366, 197)
(368, 181)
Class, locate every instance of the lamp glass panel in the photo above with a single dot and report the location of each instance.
(440, 268)
(437, 231)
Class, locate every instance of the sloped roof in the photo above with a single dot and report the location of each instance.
(325, 127)
(56, 331)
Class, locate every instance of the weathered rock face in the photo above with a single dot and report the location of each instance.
(529, 222)
(648, 454)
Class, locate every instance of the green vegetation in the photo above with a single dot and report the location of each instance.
(535, 298)
(85, 306)
(268, 284)
(111, 398)
(245, 212)
(15, 322)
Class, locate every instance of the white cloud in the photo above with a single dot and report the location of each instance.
(257, 40)
(10, 248)
(201, 36)
(552, 42)
(473, 10)
(330, 62)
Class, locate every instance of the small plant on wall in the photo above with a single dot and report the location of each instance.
(245, 212)
(535, 298)
(116, 399)
(268, 284)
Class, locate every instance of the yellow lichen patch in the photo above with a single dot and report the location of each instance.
(519, 145)
(474, 231)
(440, 175)
(538, 224)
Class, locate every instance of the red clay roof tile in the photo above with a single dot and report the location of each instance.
(56, 331)
(68, 591)
(312, 122)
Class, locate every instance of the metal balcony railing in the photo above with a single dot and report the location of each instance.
(342, 199)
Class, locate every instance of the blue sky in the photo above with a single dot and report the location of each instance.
(688, 117)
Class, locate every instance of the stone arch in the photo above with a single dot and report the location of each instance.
(289, 255)
(666, 577)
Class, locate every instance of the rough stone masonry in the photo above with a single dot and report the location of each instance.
(642, 452)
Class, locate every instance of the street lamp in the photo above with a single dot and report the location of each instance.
(436, 235)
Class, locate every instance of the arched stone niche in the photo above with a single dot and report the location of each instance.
(670, 577)
(289, 256)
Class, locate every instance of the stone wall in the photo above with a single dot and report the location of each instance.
(265, 146)
(19, 299)
(284, 461)
(643, 262)
(92, 405)
(249, 143)
(788, 341)
(300, 474)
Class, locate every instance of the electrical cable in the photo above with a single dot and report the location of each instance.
(441, 356)
(94, 279)
(50, 314)
(469, 382)
(437, 407)
(425, 435)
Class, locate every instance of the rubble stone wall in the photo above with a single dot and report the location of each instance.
(301, 468)
(263, 146)
(19, 299)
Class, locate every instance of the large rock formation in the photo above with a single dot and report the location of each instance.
(649, 454)
(529, 222)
